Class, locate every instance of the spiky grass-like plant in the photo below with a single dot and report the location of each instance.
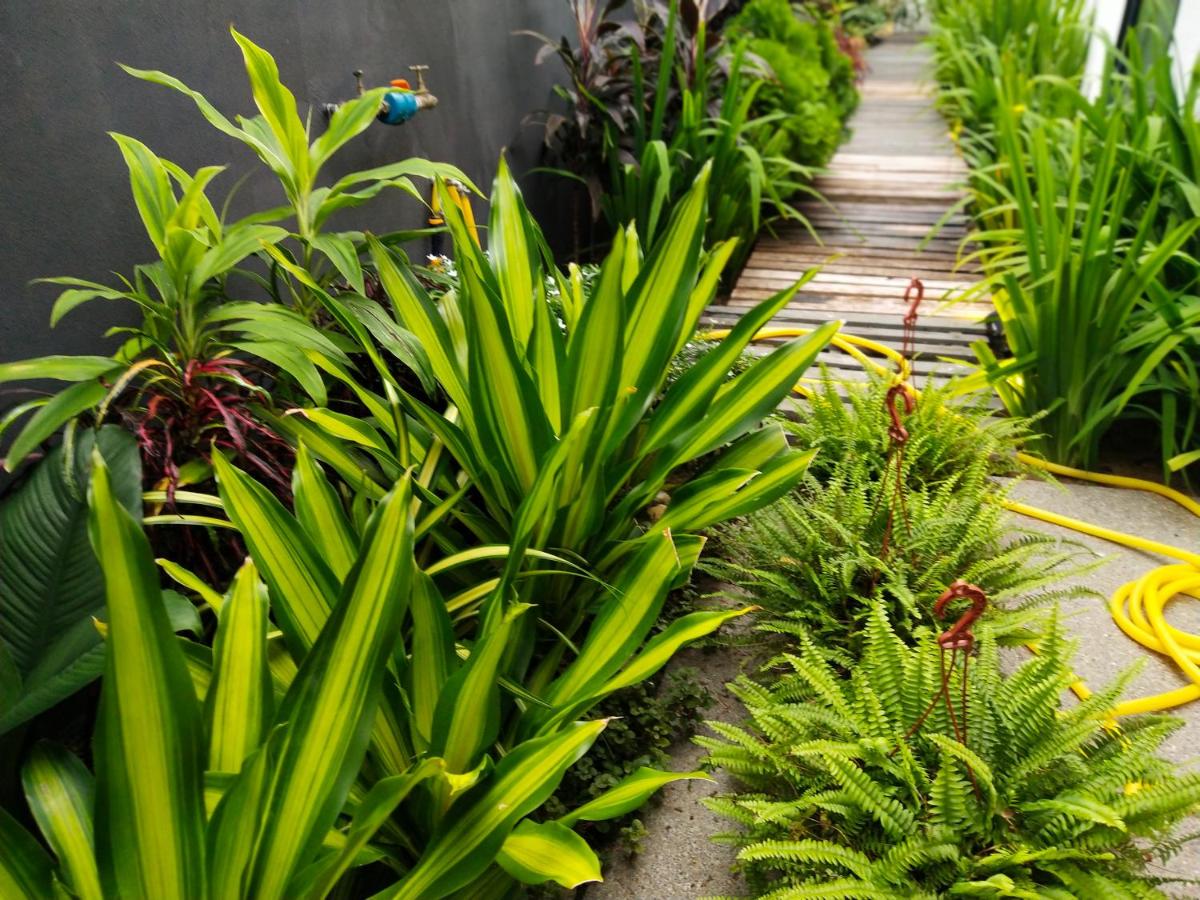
(1040, 801)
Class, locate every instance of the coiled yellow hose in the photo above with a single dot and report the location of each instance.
(1138, 606)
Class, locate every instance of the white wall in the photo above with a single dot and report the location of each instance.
(1108, 15)
(1107, 20)
(1187, 40)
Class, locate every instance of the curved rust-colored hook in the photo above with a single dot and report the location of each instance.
(958, 636)
(897, 432)
(910, 318)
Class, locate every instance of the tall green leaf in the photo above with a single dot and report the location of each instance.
(149, 747)
(238, 703)
(330, 707)
(60, 793)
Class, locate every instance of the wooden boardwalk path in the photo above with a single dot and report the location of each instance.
(885, 189)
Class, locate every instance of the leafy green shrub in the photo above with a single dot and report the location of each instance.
(1077, 278)
(572, 415)
(841, 801)
(1025, 43)
(657, 99)
(1087, 210)
(380, 701)
(816, 557)
(194, 369)
(812, 84)
(1161, 151)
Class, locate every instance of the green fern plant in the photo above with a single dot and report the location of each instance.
(947, 429)
(816, 557)
(1041, 801)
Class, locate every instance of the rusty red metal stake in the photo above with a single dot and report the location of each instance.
(898, 438)
(956, 639)
(916, 289)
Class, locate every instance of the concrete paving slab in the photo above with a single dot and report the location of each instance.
(1104, 650)
(678, 860)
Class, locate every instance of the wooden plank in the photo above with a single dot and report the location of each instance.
(832, 230)
(886, 178)
(929, 325)
(842, 215)
(751, 296)
(896, 163)
(912, 244)
(802, 244)
(942, 265)
(881, 267)
(813, 292)
(897, 284)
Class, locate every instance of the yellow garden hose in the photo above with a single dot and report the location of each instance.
(1137, 607)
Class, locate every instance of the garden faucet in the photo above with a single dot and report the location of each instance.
(400, 103)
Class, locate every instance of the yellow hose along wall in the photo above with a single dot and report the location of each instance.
(1137, 607)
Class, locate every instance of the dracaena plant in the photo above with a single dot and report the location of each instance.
(482, 711)
(364, 731)
(849, 793)
(190, 364)
(573, 411)
(281, 139)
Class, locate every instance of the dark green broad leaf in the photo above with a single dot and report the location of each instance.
(50, 583)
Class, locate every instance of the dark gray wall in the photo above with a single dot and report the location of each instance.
(66, 208)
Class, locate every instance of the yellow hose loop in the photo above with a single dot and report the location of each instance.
(1136, 484)
(847, 343)
(1136, 607)
(1108, 534)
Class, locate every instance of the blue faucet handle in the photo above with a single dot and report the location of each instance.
(398, 107)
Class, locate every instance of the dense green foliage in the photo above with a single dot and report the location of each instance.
(813, 80)
(1088, 222)
(817, 557)
(50, 584)
(981, 45)
(841, 800)
(445, 508)
(672, 87)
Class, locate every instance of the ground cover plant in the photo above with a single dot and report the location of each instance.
(850, 793)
